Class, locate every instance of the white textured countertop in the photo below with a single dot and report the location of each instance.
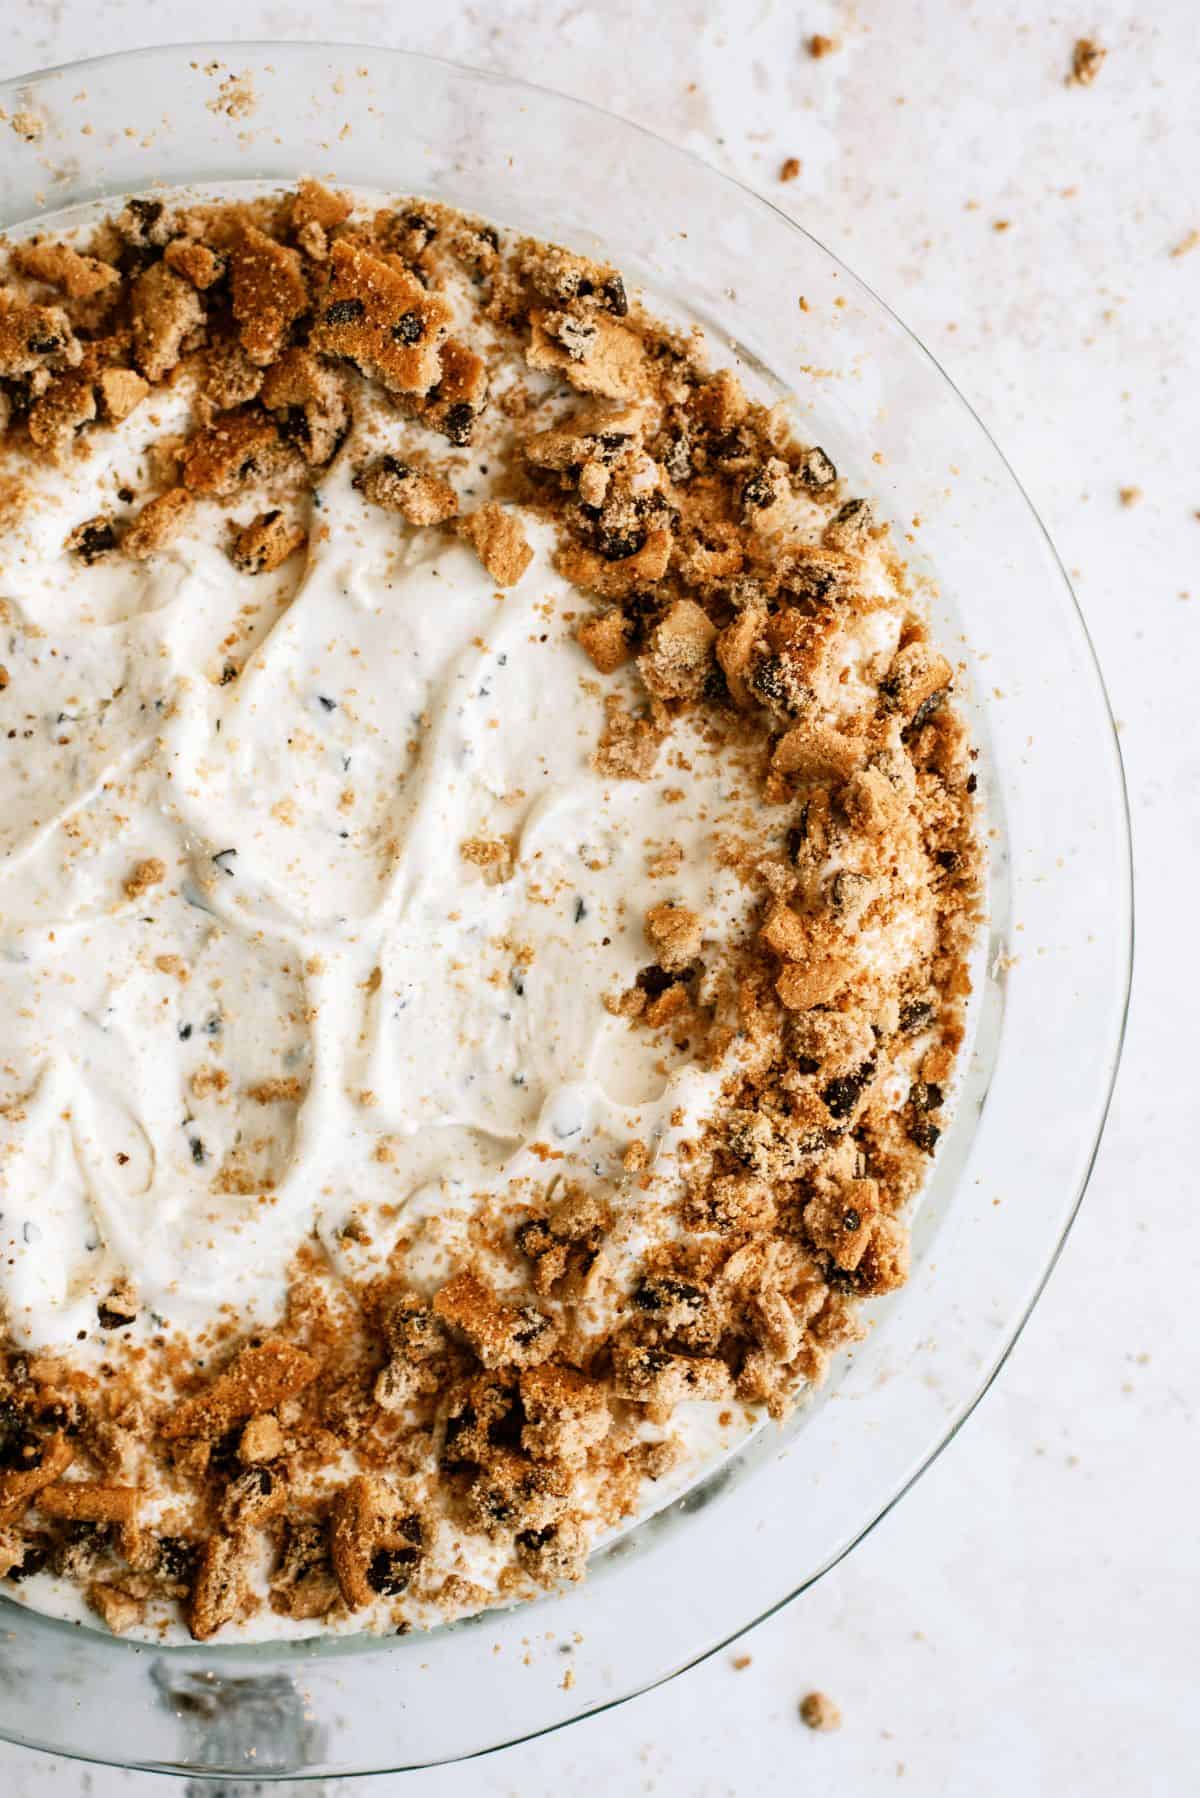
(1023, 1622)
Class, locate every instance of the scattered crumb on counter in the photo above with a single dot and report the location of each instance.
(1086, 60)
(819, 1712)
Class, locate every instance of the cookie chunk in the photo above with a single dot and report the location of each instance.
(378, 316)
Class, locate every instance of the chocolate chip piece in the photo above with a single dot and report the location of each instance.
(44, 346)
(177, 1557)
(768, 682)
(925, 1135)
(294, 427)
(615, 298)
(94, 539)
(409, 328)
(716, 688)
(532, 1325)
(36, 1556)
(927, 1095)
(758, 492)
(111, 1318)
(916, 1015)
(851, 1220)
(924, 713)
(972, 782)
(135, 258)
(19, 1446)
(654, 980)
(457, 423)
(146, 212)
(505, 1431)
(466, 1419)
(816, 470)
(344, 312)
(664, 1293)
(616, 545)
(390, 1570)
(842, 1094)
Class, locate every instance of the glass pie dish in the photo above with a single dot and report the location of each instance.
(1053, 972)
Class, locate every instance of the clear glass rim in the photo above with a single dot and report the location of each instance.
(231, 50)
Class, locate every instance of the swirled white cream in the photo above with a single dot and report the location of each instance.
(324, 1018)
(317, 923)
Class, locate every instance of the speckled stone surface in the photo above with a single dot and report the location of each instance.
(1023, 1622)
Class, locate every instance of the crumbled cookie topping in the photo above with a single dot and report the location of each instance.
(719, 563)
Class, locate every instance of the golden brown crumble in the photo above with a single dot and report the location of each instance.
(1087, 59)
(818, 1711)
(499, 541)
(668, 491)
(147, 874)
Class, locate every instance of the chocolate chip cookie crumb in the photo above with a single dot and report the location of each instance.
(266, 542)
(819, 1712)
(1087, 59)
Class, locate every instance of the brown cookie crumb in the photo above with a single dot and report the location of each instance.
(58, 265)
(261, 1440)
(87, 1501)
(499, 541)
(166, 308)
(817, 1711)
(266, 542)
(628, 747)
(236, 448)
(282, 1089)
(501, 1334)
(35, 337)
(157, 524)
(308, 401)
(259, 1379)
(421, 498)
(1087, 59)
(20, 1485)
(789, 169)
(268, 293)
(819, 46)
(68, 404)
(146, 874)
(221, 1592)
(314, 204)
(378, 316)
(596, 355)
(375, 1541)
(121, 390)
(676, 935)
(605, 640)
(194, 261)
